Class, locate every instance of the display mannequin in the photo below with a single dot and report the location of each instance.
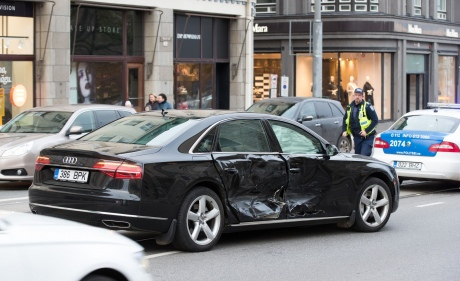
(351, 86)
(368, 91)
(332, 89)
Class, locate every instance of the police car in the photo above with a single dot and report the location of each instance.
(423, 144)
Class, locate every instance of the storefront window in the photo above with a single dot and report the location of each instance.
(100, 31)
(195, 87)
(266, 67)
(12, 74)
(446, 79)
(96, 82)
(344, 72)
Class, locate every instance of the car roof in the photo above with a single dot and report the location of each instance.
(436, 111)
(75, 107)
(293, 99)
(193, 113)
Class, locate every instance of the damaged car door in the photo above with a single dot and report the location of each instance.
(253, 175)
(309, 191)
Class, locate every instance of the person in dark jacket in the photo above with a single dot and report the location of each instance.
(162, 102)
(360, 121)
(152, 104)
(368, 91)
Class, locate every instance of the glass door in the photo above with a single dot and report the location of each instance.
(136, 85)
(415, 96)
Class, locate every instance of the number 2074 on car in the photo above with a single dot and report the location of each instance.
(71, 175)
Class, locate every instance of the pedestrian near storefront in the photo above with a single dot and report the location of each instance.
(152, 104)
(360, 121)
(162, 102)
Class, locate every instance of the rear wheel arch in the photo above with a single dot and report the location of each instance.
(214, 187)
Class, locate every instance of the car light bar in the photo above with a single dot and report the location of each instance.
(443, 105)
(41, 161)
(119, 169)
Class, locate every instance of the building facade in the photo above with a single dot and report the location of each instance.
(197, 52)
(403, 53)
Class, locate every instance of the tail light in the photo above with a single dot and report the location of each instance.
(41, 162)
(119, 170)
(379, 143)
(445, 146)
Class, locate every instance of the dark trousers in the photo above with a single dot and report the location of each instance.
(364, 146)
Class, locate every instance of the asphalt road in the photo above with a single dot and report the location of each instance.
(420, 242)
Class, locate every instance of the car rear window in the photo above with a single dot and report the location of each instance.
(147, 130)
(431, 123)
(270, 108)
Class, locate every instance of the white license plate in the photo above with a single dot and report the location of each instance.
(407, 165)
(71, 175)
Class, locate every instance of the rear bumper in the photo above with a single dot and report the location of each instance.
(444, 166)
(111, 211)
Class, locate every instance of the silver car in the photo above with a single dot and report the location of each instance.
(22, 138)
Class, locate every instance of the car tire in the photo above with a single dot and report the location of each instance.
(374, 205)
(200, 221)
(344, 144)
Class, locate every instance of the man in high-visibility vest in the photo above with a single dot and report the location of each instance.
(359, 121)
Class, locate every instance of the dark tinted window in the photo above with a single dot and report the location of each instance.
(37, 122)
(323, 109)
(105, 116)
(242, 136)
(86, 121)
(206, 46)
(275, 108)
(336, 111)
(205, 145)
(308, 109)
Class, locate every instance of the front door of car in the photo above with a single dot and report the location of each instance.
(309, 191)
(331, 126)
(254, 177)
(309, 117)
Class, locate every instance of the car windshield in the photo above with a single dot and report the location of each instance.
(279, 108)
(48, 122)
(147, 130)
(432, 123)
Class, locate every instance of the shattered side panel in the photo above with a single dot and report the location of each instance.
(314, 189)
(255, 184)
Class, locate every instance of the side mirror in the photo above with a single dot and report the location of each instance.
(332, 150)
(307, 118)
(75, 130)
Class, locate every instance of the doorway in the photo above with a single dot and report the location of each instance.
(416, 94)
(136, 85)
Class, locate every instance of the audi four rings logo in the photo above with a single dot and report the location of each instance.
(69, 160)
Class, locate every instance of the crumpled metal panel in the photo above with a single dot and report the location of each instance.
(254, 184)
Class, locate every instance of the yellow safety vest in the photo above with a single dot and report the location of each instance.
(364, 122)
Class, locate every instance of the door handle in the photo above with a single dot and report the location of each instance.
(336, 122)
(294, 170)
(317, 125)
(231, 171)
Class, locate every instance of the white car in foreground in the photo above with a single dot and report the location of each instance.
(423, 144)
(34, 247)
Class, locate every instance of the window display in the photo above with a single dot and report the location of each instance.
(446, 79)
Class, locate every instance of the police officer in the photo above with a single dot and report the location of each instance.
(360, 121)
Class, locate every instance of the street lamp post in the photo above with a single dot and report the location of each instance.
(317, 51)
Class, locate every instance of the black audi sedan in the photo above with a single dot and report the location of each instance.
(188, 176)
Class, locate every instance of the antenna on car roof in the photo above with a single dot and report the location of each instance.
(163, 112)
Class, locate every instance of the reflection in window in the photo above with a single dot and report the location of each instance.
(242, 136)
(37, 122)
(195, 85)
(446, 79)
(295, 140)
(432, 123)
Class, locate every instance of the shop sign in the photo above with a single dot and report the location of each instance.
(4, 79)
(451, 33)
(16, 9)
(189, 36)
(413, 28)
(18, 95)
(259, 29)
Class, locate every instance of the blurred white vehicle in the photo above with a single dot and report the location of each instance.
(34, 247)
(423, 144)
(22, 138)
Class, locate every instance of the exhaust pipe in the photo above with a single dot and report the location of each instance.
(116, 224)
